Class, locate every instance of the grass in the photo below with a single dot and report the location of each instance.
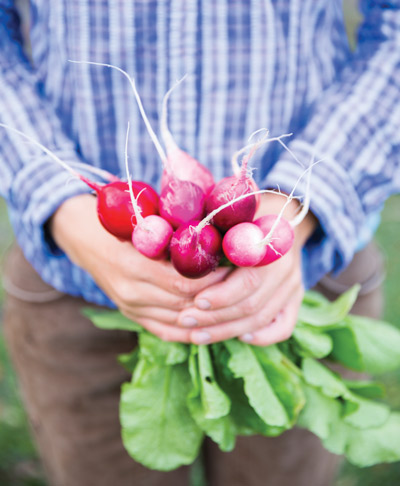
(18, 460)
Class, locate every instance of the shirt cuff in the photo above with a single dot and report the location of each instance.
(333, 200)
(38, 189)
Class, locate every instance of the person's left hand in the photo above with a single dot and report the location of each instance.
(258, 304)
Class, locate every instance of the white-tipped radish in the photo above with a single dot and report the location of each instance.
(152, 234)
(241, 245)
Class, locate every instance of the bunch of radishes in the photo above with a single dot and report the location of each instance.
(192, 223)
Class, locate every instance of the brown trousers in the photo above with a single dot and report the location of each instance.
(70, 383)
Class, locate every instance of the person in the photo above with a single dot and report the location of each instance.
(283, 64)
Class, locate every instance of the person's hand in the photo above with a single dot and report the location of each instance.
(259, 304)
(149, 292)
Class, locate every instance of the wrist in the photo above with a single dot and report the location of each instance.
(75, 226)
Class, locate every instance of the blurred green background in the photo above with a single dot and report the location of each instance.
(19, 465)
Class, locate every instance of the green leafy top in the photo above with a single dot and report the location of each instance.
(179, 393)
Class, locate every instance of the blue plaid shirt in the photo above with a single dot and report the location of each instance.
(281, 64)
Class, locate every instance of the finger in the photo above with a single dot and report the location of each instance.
(241, 284)
(165, 331)
(260, 301)
(245, 326)
(190, 287)
(280, 329)
(143, 294)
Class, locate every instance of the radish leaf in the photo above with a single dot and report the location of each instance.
(157, 428)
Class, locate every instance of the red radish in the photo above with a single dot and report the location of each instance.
(176, 193)
(151, 234)
(180, 164)
(114, 207)
(196, 252)
(234, 186)
(227, 190)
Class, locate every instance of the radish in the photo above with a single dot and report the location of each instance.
(234, 186)
(114, 207)
(181, 202)
(244, 245)
(196, 246)
(180, 164)
(175, 192)
(195, 252)
(283, 237)
(152, 234)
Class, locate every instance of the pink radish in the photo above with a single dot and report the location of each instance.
(152, 234)
(181, 202)
(175, 193)
(114, 208)
(180, 164)
(242, 245)
(196, 252)
(282, 240)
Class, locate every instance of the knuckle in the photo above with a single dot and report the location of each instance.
(183, 286)
(251, 305)
(251, 279)
(123, 292)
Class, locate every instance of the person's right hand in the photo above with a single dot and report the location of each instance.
(151, 293)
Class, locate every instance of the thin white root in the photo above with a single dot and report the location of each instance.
(131, 80)
(165, 133)
(290, 152)
(45, 150)
(256, 145)
(136, 208)
(306, 205)
(104, 174)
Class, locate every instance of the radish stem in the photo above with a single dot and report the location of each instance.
(131, 80)
(235, 165)
(165, 133)
(73, 172)
(137, 210)
(302, 214)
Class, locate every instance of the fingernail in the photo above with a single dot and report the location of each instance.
(203, 304)
(248, 337)
(200, 337)
(189, 321)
